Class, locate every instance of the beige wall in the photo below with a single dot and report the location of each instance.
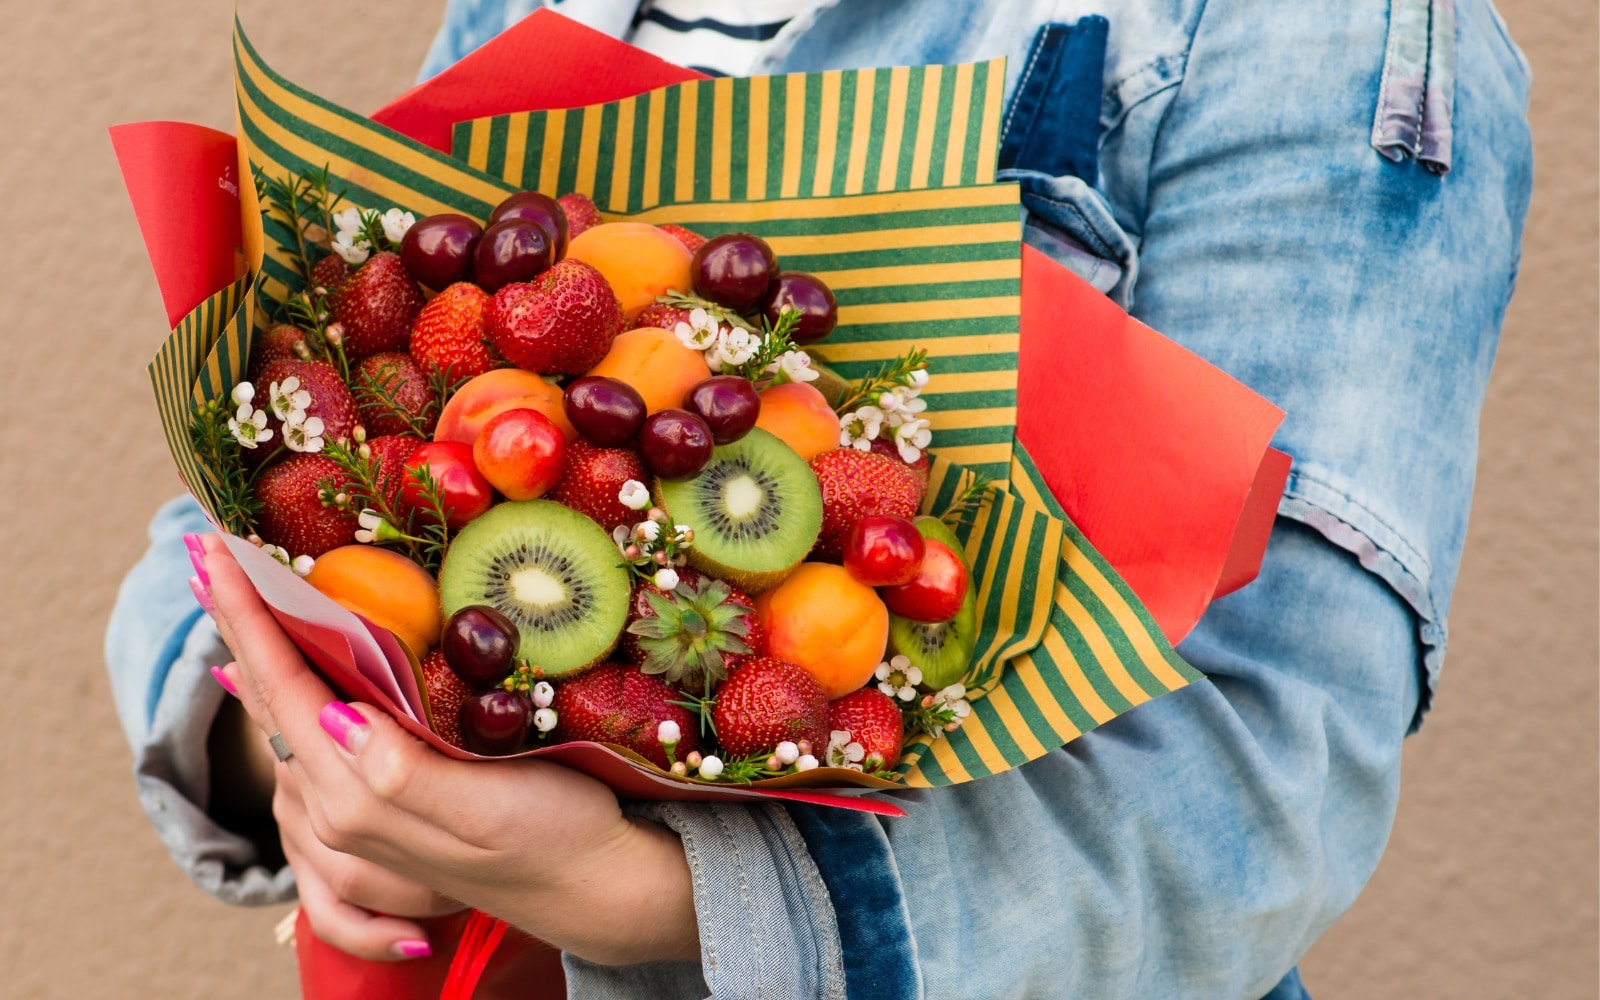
(1489, 886)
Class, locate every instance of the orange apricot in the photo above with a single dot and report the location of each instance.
(800, 417)
(828, 622)
(638, 260)
(388, 589)
(495, 392)
(658, 366)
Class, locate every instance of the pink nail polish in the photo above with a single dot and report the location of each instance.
(347, 726)
(413, 949)
(202, 596)
(222, 679)
(197, 559)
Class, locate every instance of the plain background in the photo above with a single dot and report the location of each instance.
(1488, 888)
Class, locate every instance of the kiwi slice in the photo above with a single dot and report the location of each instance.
(549, 569)
(756, 511)
(941, 650)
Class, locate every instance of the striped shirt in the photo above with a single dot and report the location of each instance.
(716, 37)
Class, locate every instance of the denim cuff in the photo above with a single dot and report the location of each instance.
(767, 927)
(852, 853)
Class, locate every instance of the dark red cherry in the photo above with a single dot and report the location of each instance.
(819, 313)
(734, 270)
(676, 444)
(480, 644)
(728, 404)
(540, 208)
(513, 250)
(608, 413)
(437, 251)
(496, 723)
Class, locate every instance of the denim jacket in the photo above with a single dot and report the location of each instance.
(1325, 201)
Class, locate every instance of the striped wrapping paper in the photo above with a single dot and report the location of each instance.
(880, 181)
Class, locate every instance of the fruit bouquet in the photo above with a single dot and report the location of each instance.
(674, 434)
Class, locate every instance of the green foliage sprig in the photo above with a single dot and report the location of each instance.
(893, 375)
(221, 458)
(305, 203)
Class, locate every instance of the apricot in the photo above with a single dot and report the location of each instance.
(800, 417)
(638, 260)
(388, 589)
(492, 394)
(826, 621)
(657, 364)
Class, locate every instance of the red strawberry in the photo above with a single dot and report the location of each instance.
(766, 701)
(592, 479)
(855, 484)
(562, 322)
(448, 334)
(446, 691)
(694, 634)
(618, 703)
(580, 212)
(292, 514)
(281, 342)
(391, 377)
(659, 314)
(392, 452)
(873, 720)
(330, 273)
(331, 401)
(886, 448)
(376, 306)
(688, 238)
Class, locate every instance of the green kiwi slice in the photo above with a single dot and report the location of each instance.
(756, 511)
(941, 650)
(549, 569)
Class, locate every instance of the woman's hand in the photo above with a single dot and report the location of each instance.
(541, 846)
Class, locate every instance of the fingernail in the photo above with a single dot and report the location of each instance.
(347, 726)
(197, 559)
(222, 679)
(413, 949)
(202, 595)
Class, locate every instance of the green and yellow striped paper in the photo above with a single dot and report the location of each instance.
(879, 181)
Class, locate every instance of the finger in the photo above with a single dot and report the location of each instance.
(279, 691)
(353, 880)
(350, 928)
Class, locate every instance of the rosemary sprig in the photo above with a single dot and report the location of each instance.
(303, 202)
(366, 487)
(776, 341)
(221, 459)
(380, 391)
(431, 520)
(892, 375)
(310, 311)
(722, 314)
(963, 509)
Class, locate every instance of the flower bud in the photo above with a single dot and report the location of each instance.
(710, 767)
(804, 746)
(680, 769)
(693, 760)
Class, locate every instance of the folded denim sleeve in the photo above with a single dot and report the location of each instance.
(1194, 847)
(159, 648)
(766, 922)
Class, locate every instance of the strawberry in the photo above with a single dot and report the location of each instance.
(330, 273)
(446, 691)
(392, 451)
(562, 322)
(765, 701)
(855, 484)
(688, 238)
(873, 720)
(280, 342)
(618, 703)
(292, 514)
(390, 377)
(580, 212)
(661, 315)
(331, 401)
(376, 306)
(695, 633)
(448, 335)
(592, 479)
(886, 448)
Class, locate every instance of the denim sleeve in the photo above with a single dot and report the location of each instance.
(159, 648)
(766, 922)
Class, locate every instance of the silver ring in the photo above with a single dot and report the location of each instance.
(280, 749)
